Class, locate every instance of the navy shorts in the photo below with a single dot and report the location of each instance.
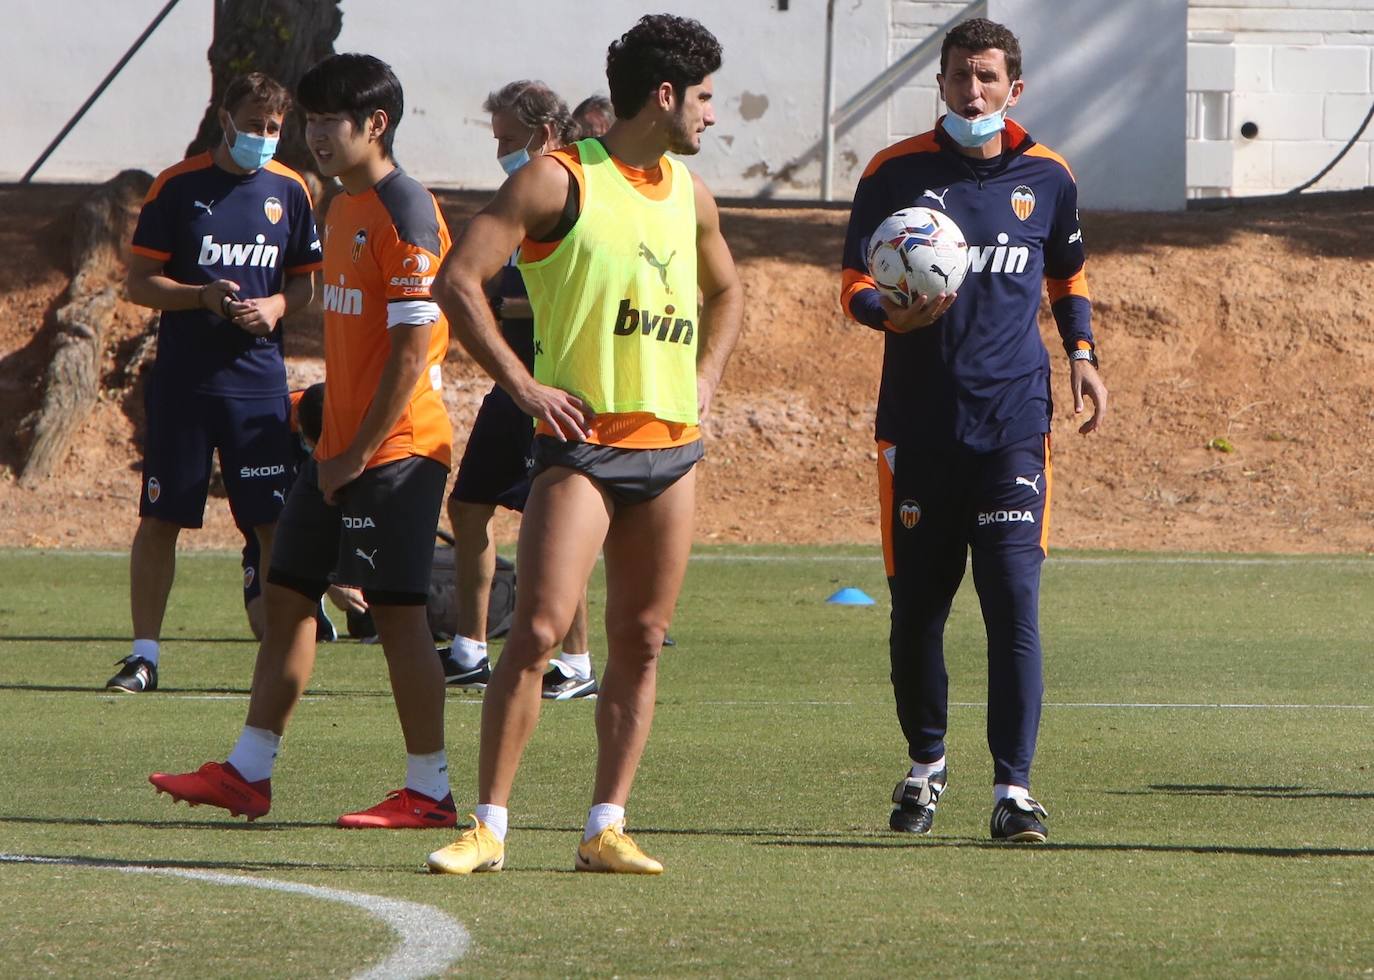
(495, 468)
(185, 429)
(630, 476)
(378, 537)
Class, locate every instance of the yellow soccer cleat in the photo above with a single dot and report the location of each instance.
(476, 849)
(613, 851)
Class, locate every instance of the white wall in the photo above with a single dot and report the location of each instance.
(1301, 71)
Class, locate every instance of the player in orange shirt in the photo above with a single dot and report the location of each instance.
(366, 506)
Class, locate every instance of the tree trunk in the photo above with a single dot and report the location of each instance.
(104, 225)
(282, 38)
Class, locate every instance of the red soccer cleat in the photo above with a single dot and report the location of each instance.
(216, 784)
(404, 809)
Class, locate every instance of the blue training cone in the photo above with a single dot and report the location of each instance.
(851, 597)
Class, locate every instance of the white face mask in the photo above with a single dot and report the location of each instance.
(513, 161)
(973, 133)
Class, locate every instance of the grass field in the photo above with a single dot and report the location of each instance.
(1205, 756)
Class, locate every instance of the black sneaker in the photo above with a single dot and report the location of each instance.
(136, 676)
(560, 685)
(914, 800)
(325, 631)
(1019, 820)
(471, 678)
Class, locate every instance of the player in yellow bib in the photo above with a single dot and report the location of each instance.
(616, 239)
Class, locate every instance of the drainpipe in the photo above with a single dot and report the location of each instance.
(828, 123)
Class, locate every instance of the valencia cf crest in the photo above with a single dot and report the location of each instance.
(154, 489)
(359, 243)
(272, 208)
(249, 574)
(1023, 201)
(910, 514)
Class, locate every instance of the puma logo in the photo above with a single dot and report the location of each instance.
(366, 557)
(280, 495)
(945, 276)
(1032, 483)
(202, 204)
(662, 267)
(940, 197)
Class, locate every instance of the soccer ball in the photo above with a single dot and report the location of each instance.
(917, 252)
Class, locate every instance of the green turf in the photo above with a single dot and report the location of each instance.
(1215, 838)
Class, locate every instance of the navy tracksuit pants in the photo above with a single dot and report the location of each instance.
(941, 506)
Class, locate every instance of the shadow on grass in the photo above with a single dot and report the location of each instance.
(118, 863)
(255, 826)
(1236, 849)
(1253, 792)
(182, 691)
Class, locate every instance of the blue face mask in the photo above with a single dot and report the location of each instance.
(516, 159)
(248, 150)
(973, 133)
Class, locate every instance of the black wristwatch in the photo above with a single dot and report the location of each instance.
(1084, 354)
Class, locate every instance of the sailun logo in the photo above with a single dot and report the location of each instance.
(1001, 258)
(257, 254)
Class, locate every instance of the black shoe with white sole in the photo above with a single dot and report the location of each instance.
(1018, 820)
(471, 678)
(913, 803)
(560, 684)
(135, 676)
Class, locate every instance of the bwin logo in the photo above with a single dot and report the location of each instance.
(357, 523)
(670, 329)
(254, 472)
(1003, 259)
(1005, 517)
(257, 255)
(340, 299)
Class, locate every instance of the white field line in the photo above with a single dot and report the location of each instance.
(876, 558)
(1136, 705)
(429, 941)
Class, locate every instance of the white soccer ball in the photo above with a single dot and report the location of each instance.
(917, 252)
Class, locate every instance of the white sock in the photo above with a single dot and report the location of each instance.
(468, 653)
(494, 819)
(601, 816)
(579, 663)
(428, 774)
(924, 770)
(1003, 791)
(147, 649)
(255, 753)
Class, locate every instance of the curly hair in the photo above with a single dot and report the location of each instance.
(534, 104)
(660, 48)
(980, 35)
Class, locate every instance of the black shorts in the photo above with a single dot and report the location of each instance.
(185, 429)
(379, 538)
(495, 468)
(630, 476)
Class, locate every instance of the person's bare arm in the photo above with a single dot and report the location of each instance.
(148, 285)
(401, 372)
(530, 203)
(260, 316)
(722, 307)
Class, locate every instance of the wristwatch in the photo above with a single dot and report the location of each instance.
(1084, 354)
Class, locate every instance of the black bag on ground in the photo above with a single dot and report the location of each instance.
(443, 610)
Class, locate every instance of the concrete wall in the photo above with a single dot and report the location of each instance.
(1300, 72)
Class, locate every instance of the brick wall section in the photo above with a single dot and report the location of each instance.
(1302, 71)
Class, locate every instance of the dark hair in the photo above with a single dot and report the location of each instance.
(534, 104)
(660, 48)
(355, 85)
(310, 412)
(980, 35)
(256, 87)
(593, 107)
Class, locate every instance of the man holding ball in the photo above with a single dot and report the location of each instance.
(964, 412)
